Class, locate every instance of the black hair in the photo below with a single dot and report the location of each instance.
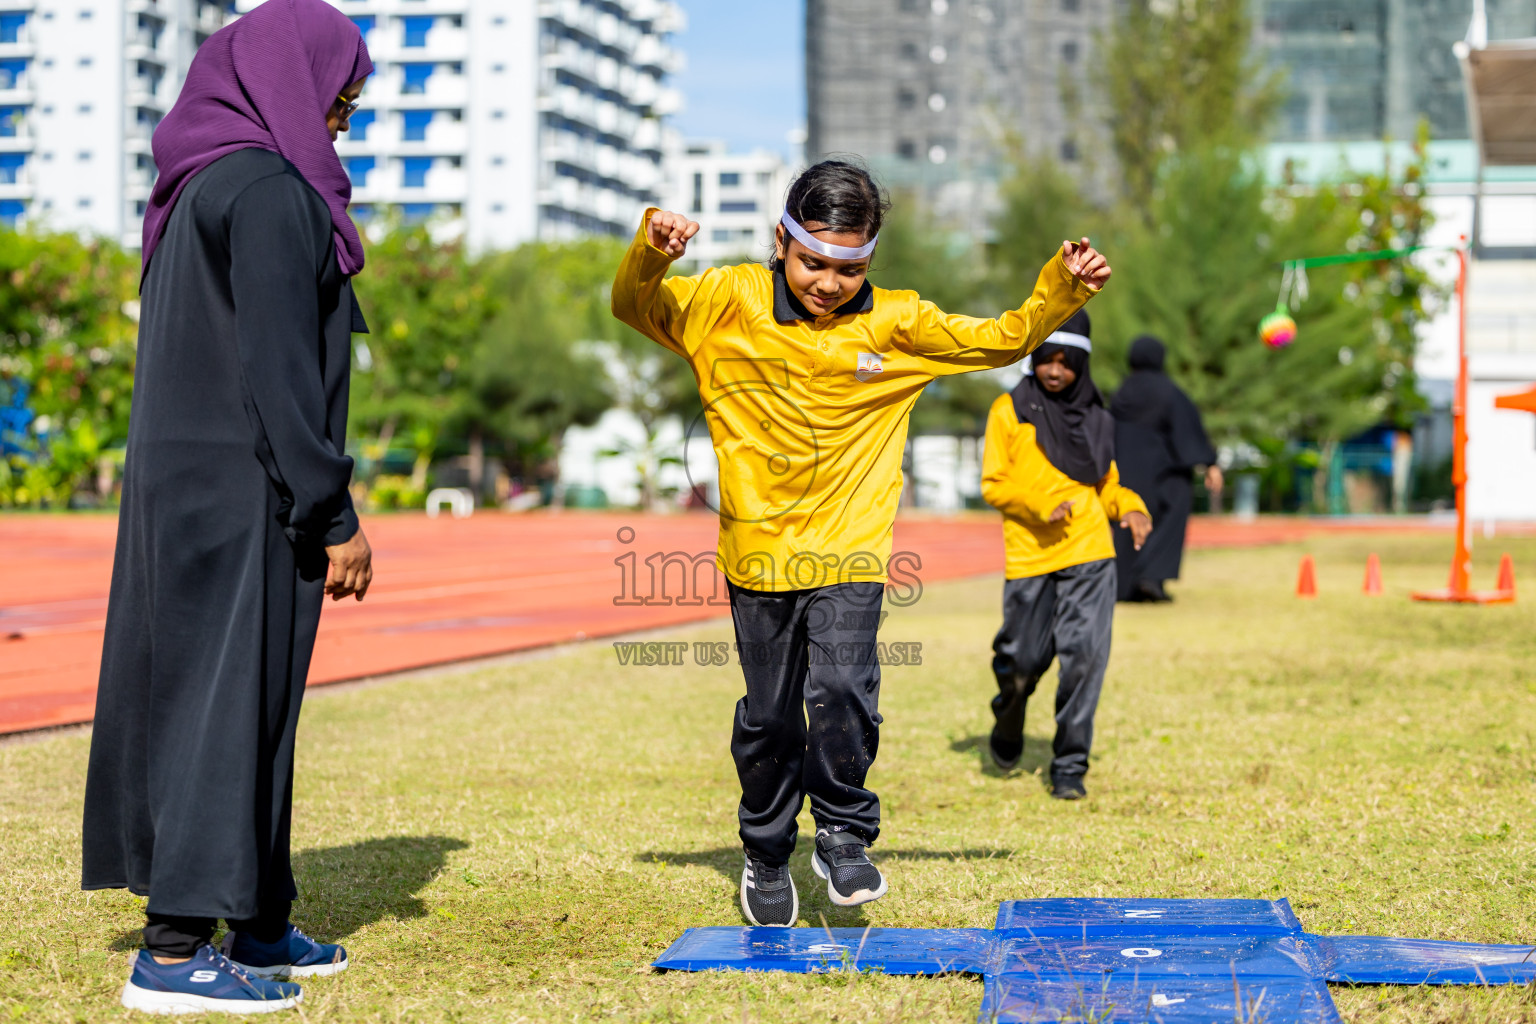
(841, 196)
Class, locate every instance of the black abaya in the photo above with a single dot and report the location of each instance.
(1159, 440)
(235, 482)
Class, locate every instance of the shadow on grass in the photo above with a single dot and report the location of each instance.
(346, 888)
(1036, 756)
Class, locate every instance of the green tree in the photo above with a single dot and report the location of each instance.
(531, 377)
(67, 338)
(427, 305)
(1180, 75)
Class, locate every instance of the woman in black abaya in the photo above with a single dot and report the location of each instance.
(236, 519)
(1159, 441)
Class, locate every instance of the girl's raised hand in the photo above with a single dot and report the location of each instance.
(1086, 263)
(670, 232)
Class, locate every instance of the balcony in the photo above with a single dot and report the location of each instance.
(443, 135)
(444, 183)
(443, 42)
(443, 88)
(577, 106)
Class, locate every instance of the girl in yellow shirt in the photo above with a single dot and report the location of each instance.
(808, 374)
(1049, 468)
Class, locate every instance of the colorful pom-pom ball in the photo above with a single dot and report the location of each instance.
(1278, 330)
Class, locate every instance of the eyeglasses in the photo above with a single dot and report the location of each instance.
(348, 107)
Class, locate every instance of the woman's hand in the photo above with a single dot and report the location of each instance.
(670, 232)
(1214, 481)
(351, 568)
(1139, 525)
(1086, 263)
(1060, 512)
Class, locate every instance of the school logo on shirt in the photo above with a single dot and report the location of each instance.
(868, 367)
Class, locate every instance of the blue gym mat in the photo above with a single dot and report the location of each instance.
(1163, 961)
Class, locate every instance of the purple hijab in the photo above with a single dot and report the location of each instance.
(265, 82)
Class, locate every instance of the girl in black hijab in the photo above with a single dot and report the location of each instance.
(1159, 441)
(1050, 469)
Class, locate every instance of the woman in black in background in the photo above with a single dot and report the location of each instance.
(236, 520)
(1159, 441)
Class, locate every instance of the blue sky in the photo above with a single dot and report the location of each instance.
(745, 80)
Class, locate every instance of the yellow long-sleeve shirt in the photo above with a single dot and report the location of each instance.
(808, 417)
(1021, 483)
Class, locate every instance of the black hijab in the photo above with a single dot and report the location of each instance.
(1148, 398)
(1072, 427)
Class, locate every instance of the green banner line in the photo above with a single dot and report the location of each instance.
(1363, 257)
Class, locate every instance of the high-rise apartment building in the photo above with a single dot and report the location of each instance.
(504, 119)
(513, 119)
(1372, 69)
(82, 85)
(935, 93)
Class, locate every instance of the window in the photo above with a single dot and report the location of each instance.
(739, 206)
(417, 211)
(720, 235)
(85, 108)
(365, 24)
(416, 75)
(697, 206)
(10, 122)
(11, 25)
(1069, 51)
(86, 14)
(358, 168)
(11, 73)
(497, 161)
(1069, 149)
(413, 171)
(1071, 6)
(358, 125)
(360, 212)
(497, 115)
(84, 202)
(139, 208)
(415, 29)
(497, 207)
(414, 125)
(498, 68)
(84, 155)
(11, 211)
(10, 167)
(729, 179)
(906, 149)
(906, 99)
(86, 62)
(909, 51)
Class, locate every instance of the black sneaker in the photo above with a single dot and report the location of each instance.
(768, 897)
(1067, 787)
(843, 860)
(1005, 754)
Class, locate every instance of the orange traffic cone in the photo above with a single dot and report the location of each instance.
(1373, 575)
(1507, 575)
(1306, 583)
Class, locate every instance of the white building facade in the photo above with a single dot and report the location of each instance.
(737, 199)
(82, 86)
(510, 120)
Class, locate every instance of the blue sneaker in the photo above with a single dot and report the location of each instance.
(295, 955)
(208, 981)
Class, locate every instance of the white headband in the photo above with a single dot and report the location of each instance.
(827, 249)
(1073, 340)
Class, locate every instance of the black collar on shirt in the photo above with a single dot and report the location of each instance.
(786, 307)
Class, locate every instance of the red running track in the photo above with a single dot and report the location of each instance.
(445, 590)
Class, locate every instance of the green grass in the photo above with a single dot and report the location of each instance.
(518, 843)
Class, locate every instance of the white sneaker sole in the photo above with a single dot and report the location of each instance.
(282, 972)
(150, 1001)
(794, 905)
(859, 897)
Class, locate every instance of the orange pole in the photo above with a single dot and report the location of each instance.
(1461, 564)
